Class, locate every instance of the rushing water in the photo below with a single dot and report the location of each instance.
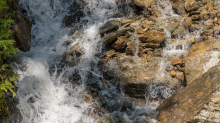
(45, 93)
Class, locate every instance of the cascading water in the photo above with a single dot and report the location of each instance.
(45, 92)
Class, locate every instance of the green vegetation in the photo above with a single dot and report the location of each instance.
(7, 49)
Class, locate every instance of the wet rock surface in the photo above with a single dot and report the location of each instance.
(200, 58)
(185, 103)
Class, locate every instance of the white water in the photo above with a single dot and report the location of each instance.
(49, 97)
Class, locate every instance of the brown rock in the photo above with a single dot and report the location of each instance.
(172, 73)
(145, 26)
(22, 32)
(187, 22)
(178, 61)
(121, 43)
(111, 37)
(191, 5)
(143, 3)
(173, 26)
(153, 37)
(185, 103)
(124, 21)
(180, 76)
(132, 48)
(179, 6)
(109, 26)
(200, 58)
(180, 31)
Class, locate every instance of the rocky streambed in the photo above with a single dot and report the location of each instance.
(159, 61)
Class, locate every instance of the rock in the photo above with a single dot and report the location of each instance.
(180, 76)
(22, 32)
(191, 5)
(185, 103)
(157, 52)
(194, 27)
(149, 45)
(111, 37)
(135, 77)
(121, 43)
(172, 73)
(153, 37)
(112, 24)
(125, 21)
(180, 31)
(140, 30)
(74, 55)
(200, 58)
(179, 7)
(178, 62)
(172, 27)
(132, 48)
(195, 17)
(145, 26)
(187, 22)
(143, 3)
(209, 5)
(77, 50)
(210, 111)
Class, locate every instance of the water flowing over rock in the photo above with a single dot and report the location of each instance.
(118, 60)
(186, 103)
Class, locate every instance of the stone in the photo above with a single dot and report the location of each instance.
(178, 62)
(153, 37)
(200, 58)
(136, 73)
(109, 26)
(187, 102)
(173, 73)
(111, 37)
(121, 43)
(179, 7)
(180, 31)
(132, 48)
(145, 26)
(191, 5)
(172, 27)
(157, 52)
(196, 17)
(143, 3)
(22, 32)
(180, 76)
(194, 27)
(140, 30)
(149, 45)
(74, 55)
(125, 21)
(187, 22)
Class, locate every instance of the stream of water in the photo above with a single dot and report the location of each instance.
(46, 95)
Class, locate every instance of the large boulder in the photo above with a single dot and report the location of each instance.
(186, 103)
(200, 58)
(132, 72)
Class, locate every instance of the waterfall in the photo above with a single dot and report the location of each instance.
(46, 94)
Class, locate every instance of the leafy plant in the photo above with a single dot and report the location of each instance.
(7, 49)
